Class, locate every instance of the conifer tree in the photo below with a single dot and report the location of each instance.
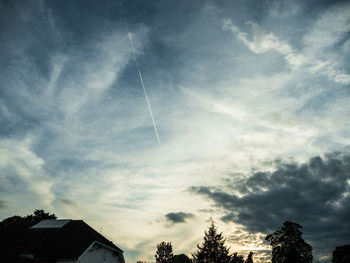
(164, 253)
(249, 258)
(213, 249)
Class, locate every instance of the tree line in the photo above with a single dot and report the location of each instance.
(287, 244)
(212, 250)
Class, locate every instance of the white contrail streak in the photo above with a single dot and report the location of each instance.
(143, 86)
(140, 74)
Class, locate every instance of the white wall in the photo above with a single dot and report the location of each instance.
(99, 255)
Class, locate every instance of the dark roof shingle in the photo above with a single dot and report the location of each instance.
(66, 242)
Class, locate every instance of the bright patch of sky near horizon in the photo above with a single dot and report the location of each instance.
(233, 85)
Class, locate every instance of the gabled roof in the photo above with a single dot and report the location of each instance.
(68, 241)
(51, 223)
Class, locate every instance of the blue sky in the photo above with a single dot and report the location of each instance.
(244, 94)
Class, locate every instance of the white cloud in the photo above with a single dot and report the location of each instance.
(24, 182)
(262, 43)
(327, 31)
(329, 28)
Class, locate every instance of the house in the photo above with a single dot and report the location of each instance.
(67, 241)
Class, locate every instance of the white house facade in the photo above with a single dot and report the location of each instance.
(68, 241)
(98, 252)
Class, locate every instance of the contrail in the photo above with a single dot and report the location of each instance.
(140, 74)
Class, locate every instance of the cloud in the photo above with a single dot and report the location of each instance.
(3, 204)
(178, 217)
(328, 29)
(66, 201)
(22, 179)
(319, 42)
(69, 87)
(315, 194)
(262, 43)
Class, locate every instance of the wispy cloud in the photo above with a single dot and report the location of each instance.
(23, 181)
(262, 43)
(316, 54)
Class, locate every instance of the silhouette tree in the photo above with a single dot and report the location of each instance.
(237, 258)
(249, 258)
(288, 245)
(164, 253)
(341, 254)
(213, 249)
(12, 228)
(29, 220)
(182, 258)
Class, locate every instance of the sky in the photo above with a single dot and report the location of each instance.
(251, 101)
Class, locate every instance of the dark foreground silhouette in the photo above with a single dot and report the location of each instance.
(287, 245)
(341, 254)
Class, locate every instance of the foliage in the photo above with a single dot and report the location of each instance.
(249, 258)
(31, 219)
(341, 254)
(213, 249)
(13, 228)
(288, 245)
(182, 258)
(237, 258)
(164, 253)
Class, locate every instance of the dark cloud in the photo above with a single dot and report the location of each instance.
(11, 181)
(66, 201)
(178, 217)
(3, 204)
(315, 194)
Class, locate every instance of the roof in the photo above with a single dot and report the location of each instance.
(68, 241)
(52, 223)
